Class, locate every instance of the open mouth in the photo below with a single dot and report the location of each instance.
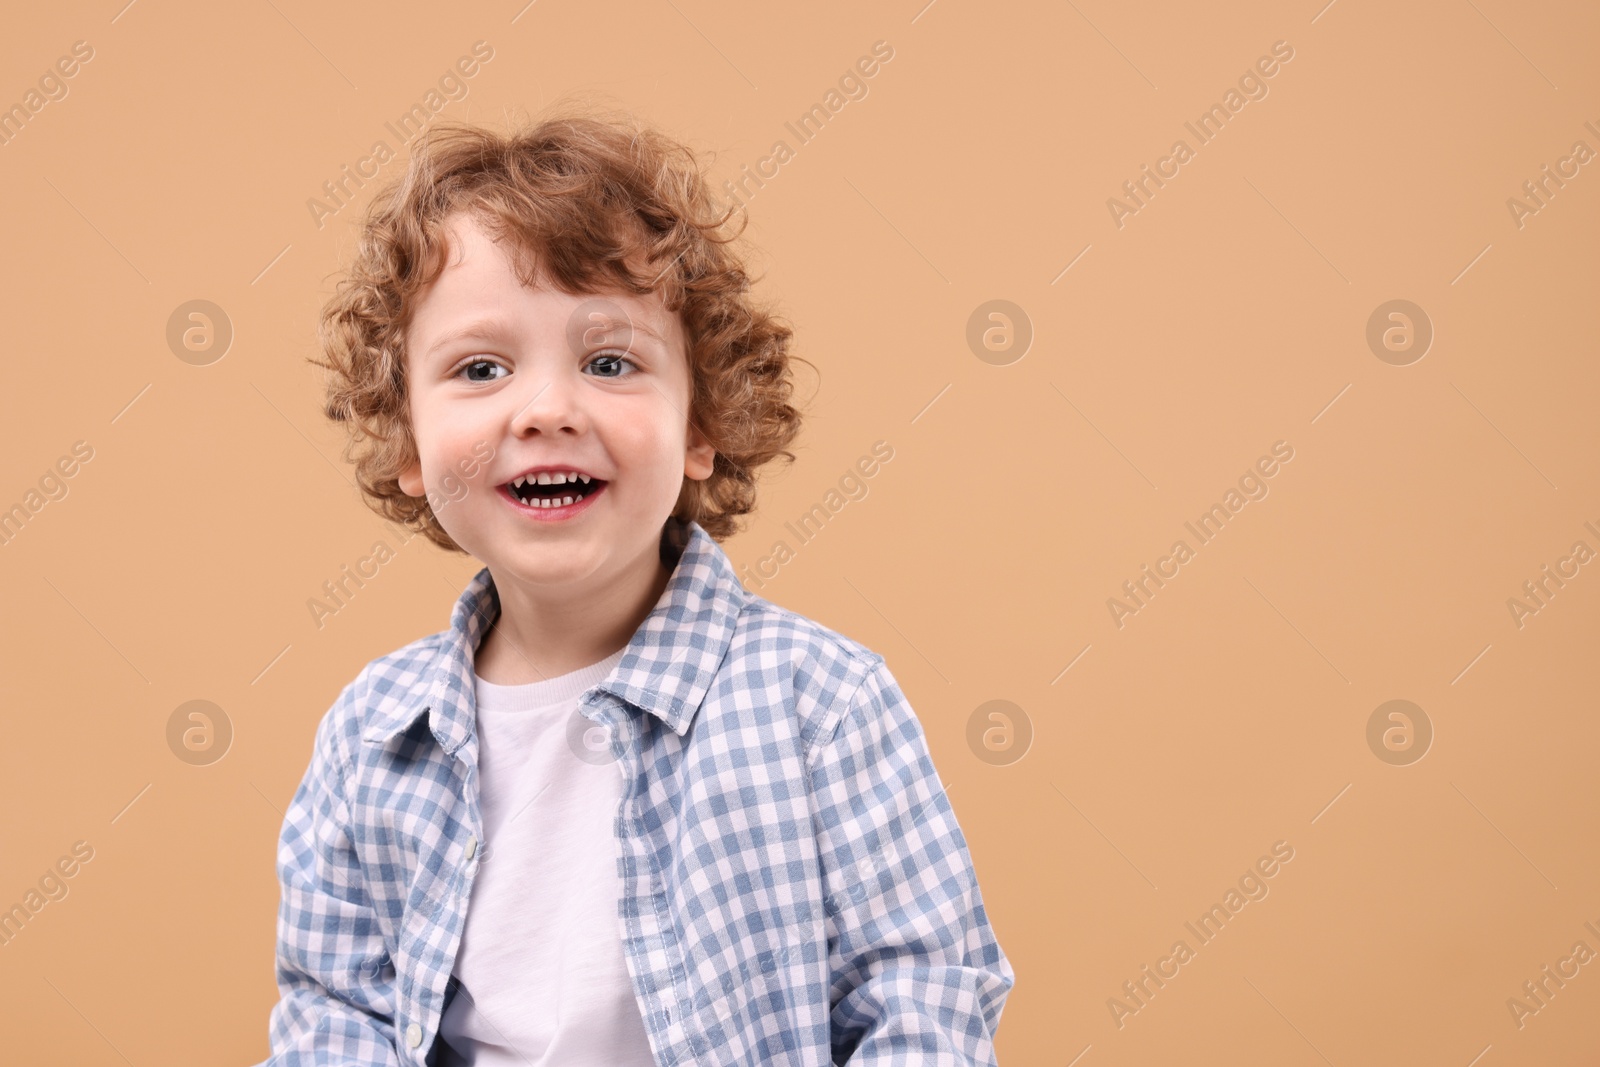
(553, 489)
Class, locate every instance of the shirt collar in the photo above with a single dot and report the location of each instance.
(666, 668)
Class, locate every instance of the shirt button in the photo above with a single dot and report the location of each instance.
(413, 1035)
(472, 847)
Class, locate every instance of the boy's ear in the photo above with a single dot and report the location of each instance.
(699, 456)
(411, 479)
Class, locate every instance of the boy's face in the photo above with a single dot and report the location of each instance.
(546, 383)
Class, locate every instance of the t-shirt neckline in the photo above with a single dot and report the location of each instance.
(561, 689)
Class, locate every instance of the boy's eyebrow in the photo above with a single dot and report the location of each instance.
(637, 324)
(496, 329)
(477, 330)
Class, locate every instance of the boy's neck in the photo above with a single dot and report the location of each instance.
(536, 639)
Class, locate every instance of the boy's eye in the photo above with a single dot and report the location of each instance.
(483, 370)
(468, 368)
(610, 363)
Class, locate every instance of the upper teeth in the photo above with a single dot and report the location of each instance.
(549, 478)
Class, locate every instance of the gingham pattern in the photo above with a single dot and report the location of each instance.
(793, 886)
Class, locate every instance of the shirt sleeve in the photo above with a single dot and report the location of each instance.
(916, 975)
(335, 977)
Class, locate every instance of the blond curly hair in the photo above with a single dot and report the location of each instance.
(606, 203)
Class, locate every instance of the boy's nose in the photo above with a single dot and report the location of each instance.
(550, 404)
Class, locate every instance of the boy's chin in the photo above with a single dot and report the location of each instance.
(552, 559)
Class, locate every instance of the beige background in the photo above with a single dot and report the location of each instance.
(1229, 313)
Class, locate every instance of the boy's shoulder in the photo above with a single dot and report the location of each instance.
(770, 625)
(388, 685)
(814, 670)
(400, 676)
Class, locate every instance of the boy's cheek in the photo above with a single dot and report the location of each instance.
(453, 488)
(482, 453)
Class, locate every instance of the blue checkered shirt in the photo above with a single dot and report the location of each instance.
(793, 887)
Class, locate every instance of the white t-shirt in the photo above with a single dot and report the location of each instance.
(543, 977)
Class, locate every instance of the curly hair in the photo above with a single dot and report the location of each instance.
(606, 203)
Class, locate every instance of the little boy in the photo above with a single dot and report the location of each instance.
(621, 812)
